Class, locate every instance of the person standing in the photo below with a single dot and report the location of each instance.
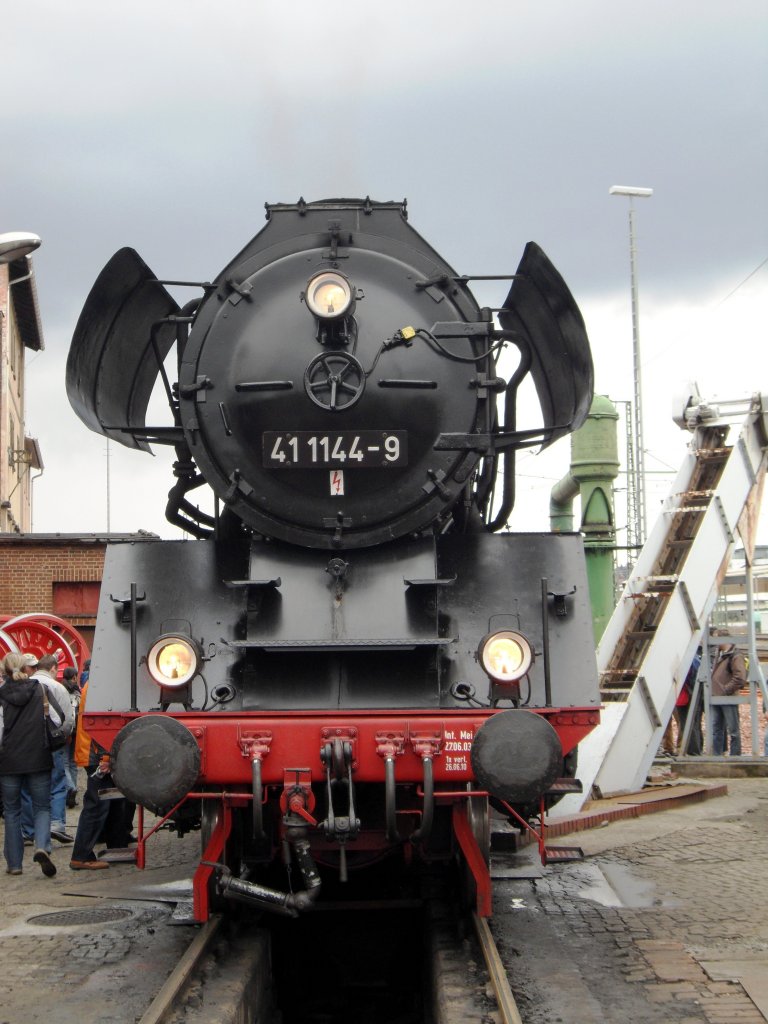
(108, 818)
(69, 681)
(687, 705)
(44, 672)
(26, 760)
(729, 675)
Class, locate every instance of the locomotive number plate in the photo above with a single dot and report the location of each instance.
(306, 449)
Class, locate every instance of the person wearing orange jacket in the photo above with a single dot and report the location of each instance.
(108, 817)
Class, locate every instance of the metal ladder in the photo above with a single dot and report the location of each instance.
(648, 644)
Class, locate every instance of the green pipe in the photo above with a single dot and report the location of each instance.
(594, 467)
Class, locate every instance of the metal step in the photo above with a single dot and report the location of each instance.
(562, 854)
(685, 509)
(565, 786)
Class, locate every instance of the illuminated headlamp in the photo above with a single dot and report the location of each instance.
(506, 656)
(173, 660)
(329, 295)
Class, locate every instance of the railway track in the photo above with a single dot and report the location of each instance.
(397, 961)
(462, 992)
(172, 992)
(224, 975)
(498, 975)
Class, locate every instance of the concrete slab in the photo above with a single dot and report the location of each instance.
(751, 970)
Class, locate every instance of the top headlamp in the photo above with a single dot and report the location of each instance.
(506, 656)
(329, 295)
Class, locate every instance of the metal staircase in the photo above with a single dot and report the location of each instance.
(648, 644)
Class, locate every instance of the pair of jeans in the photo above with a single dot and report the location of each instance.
(108, 821)
(725, 718)
(38, 785)
(58, 799)
(70, 766)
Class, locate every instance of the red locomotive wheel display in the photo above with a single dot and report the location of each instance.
(7, 644)
(76, 641)
(42, 633)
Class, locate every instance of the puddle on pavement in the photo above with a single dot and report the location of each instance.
(616, 885)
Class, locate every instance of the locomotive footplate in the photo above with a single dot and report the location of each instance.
(422, 759)
(300, 737)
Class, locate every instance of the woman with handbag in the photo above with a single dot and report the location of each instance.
(25, 757)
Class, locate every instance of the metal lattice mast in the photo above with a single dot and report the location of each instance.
(633, 536)
(640, 519)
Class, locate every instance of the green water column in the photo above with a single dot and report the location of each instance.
(594, 467)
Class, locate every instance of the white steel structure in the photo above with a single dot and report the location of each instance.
(648, 644)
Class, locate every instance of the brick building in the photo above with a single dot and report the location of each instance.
(57, 572)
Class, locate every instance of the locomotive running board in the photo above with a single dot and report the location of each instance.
(394, 644)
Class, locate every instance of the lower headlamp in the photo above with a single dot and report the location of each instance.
(505, 656)
(173, 660)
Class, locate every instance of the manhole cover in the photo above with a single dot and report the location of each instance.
(94, 915)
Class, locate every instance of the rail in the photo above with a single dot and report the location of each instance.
(166, 999)
(504, 998)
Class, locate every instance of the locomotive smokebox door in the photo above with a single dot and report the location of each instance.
(155, 762)
(516, 756)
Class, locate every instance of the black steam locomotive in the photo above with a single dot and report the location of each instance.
(349, 660)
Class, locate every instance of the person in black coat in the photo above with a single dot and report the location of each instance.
(25, 759)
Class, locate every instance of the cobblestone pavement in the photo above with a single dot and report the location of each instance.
(664, 922)
(106, 959)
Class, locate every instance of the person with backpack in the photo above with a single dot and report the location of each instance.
(729, 675)
(25, 759)
(44, 671)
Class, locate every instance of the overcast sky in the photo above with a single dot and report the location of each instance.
(167, 125)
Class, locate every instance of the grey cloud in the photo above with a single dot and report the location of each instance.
(167, 127)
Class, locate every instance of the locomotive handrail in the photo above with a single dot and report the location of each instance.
(153, 435)
(462, 279)
(496, 442)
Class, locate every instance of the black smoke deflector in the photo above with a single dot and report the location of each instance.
(113, 364)
(541, 310)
